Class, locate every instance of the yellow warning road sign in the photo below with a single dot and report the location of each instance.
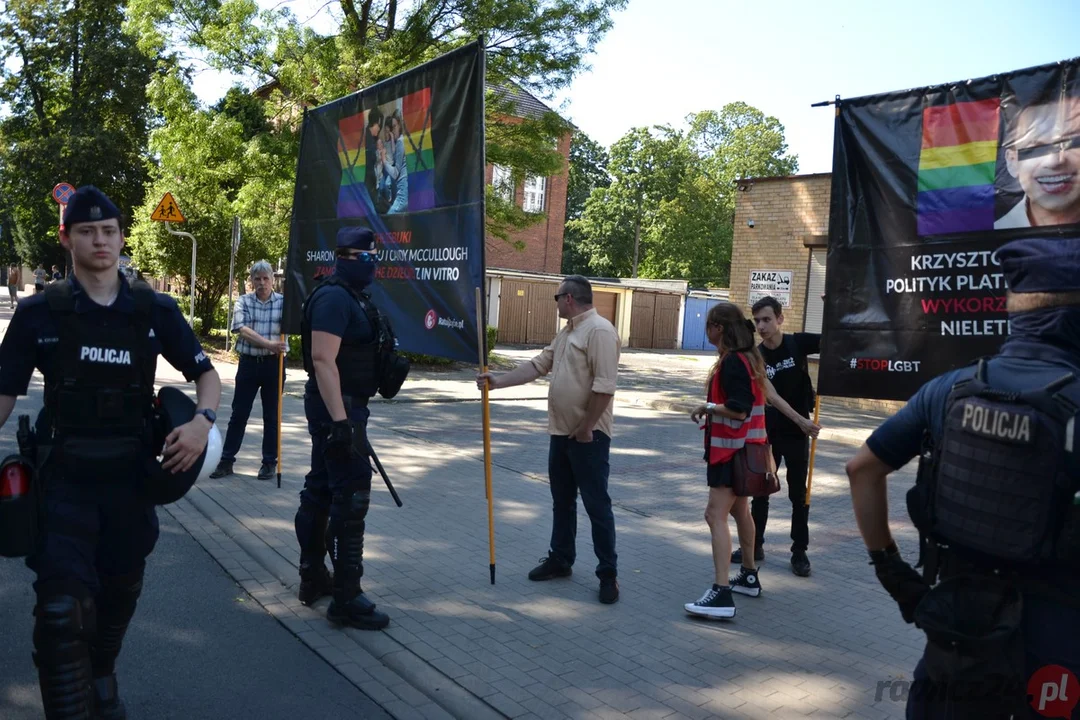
(167, 210)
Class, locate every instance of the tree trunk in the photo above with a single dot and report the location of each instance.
(637, 242)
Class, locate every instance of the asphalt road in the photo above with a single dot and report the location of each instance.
(198, 646)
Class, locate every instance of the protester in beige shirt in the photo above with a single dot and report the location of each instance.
(583, 362)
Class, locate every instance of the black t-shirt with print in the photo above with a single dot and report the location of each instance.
(790, 379)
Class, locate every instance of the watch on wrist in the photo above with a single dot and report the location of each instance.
(710, 406)
(208, 414)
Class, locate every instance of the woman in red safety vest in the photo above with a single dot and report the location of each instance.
(734, 414)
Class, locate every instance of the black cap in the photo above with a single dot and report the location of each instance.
(89, 204)
(358, 238)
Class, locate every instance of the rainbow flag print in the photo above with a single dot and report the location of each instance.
(956, 167)
(353, 200)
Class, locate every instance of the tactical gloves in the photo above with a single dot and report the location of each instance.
(338, 440)
(900, 580)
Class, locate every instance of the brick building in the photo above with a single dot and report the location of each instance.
(781, 232)
(541, 243)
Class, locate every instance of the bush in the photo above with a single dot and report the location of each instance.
(296, 348)
(492, 338)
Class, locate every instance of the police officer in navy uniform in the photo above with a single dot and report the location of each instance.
(996, 503)
(339, 337)
(95, 339)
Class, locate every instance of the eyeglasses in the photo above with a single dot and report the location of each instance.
(361, 255)
(1038, 151)
(559, 295)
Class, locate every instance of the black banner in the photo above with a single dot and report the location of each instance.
(406, 159)
(927, 184)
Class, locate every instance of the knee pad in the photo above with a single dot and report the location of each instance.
(352, 507)
(62, 620)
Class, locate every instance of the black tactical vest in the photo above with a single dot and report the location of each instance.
(999, 489)
(99, 397)
(359, 364)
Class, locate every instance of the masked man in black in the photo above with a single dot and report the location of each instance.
(341, 355)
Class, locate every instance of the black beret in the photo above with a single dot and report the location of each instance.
(89, 204)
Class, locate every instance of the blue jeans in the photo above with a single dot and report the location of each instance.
(254, 375)
(574, 467)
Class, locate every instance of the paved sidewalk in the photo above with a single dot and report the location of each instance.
(458, 646)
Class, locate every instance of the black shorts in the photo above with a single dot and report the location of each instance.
(719, 475)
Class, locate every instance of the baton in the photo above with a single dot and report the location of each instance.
(389, 485)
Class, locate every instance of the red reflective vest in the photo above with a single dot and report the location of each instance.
(724, 436)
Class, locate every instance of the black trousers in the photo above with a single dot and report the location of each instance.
(794, 450)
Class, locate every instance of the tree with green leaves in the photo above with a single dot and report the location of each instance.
(539, 44)
(588, 170)
(74, 84)
(669, 210)
(217, 163)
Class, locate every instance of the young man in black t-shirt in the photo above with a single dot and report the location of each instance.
(786, 367)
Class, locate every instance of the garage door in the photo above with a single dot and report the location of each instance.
(654, 320)
(606, 304)
(527, 312)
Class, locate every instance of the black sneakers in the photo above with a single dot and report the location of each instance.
(759, 555)
(715, 603)
(266, 471)
(609, 590)
(223, 469)
(550, 568)
(800, 564)
(746, 583)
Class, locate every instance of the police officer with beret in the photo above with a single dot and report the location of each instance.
(95, 338)
(996, 504)
(340, 331)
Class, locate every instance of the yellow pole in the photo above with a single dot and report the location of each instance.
(813, 447)
(480, 335)
(280, 402)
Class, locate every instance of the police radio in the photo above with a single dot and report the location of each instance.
(21, 510)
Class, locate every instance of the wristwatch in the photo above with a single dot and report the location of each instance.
(709, 407)
(208, 414)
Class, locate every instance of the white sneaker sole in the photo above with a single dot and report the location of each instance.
(751, 592)
(709, 612)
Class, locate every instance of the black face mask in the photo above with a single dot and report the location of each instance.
(1059, 326)
(358, 273)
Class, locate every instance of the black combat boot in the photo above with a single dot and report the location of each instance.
(116, 606)
(349, 605)
(311, 532)
(62, 656)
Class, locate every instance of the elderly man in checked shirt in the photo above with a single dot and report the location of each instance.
(257, 321)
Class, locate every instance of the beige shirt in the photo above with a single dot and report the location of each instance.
(582, 359)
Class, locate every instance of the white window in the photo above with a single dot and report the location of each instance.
(535, 190)
(502, 182)
(815, 306)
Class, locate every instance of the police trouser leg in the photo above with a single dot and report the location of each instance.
(116, 606)
(64, 624)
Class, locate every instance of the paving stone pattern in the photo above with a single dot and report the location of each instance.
(808, 647)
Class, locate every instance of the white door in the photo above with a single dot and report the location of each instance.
(815, 306)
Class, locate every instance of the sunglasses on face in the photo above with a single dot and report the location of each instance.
(361, 255)
(559, 295)
(1054, 148)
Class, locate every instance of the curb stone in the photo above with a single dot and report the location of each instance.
(276, 592)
